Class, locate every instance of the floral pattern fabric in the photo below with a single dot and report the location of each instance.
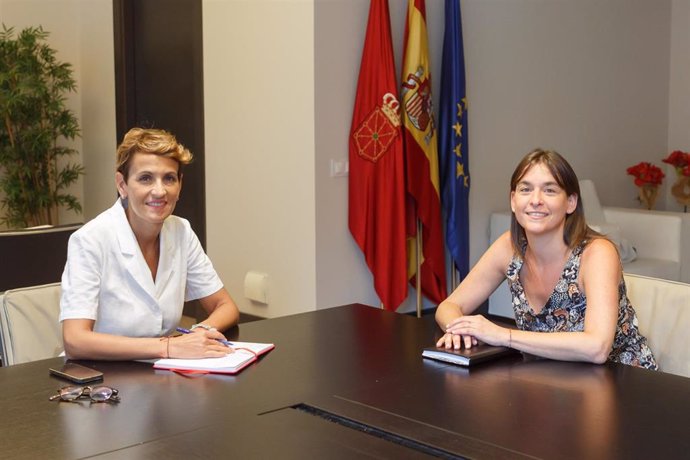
(565, 312)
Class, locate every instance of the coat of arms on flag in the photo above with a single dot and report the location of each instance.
(378, 130)
(418, 104)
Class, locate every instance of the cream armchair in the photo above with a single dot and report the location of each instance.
(29, 326)
(663, 314)
(656, 236)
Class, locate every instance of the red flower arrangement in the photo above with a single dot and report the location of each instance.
(679, 160)
(646, 174)
(681, 163)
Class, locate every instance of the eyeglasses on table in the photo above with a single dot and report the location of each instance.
(97, 394)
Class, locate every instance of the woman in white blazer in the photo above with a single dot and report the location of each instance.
(130, 269)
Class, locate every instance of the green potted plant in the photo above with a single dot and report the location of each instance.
(34, 119)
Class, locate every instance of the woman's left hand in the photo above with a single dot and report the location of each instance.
(481, 329)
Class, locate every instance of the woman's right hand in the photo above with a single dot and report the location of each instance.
(456, 341)
(202, 344)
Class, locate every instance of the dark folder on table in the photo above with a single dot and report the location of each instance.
(467, 356)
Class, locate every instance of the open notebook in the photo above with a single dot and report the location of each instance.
(245, 354)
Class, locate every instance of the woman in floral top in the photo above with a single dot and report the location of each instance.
(565, 278)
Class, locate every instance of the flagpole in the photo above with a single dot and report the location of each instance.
(418, 283)
(453, 275)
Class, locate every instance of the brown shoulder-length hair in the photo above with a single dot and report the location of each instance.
(154, 141)
(576, 229)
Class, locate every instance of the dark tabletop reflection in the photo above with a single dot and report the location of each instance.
(560, 405)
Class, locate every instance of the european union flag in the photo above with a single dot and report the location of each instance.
(453, 152)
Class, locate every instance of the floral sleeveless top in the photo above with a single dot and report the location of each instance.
(565, 312)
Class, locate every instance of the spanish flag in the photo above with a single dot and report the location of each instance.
(421, 157)
(377, 170)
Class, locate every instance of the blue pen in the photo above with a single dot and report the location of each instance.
(187, 331)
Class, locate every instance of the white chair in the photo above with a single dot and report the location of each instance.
(663, 313)
(29, 326)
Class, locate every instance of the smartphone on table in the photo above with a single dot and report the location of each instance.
(77, 373)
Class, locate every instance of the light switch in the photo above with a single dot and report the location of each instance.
(340, 168)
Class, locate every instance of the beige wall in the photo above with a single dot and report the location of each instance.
(679, 91)
(590, 78)
(259, 117)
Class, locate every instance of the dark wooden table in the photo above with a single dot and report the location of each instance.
(349, 382)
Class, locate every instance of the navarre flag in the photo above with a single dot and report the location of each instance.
(421, 157)
(377, 169)
(453, 142)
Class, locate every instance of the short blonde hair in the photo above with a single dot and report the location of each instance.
(154, 141)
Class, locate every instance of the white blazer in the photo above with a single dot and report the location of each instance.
(107, 279)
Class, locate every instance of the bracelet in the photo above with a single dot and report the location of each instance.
(202, 326)
(167, 346)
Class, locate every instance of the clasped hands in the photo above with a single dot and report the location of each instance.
(468, 331)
